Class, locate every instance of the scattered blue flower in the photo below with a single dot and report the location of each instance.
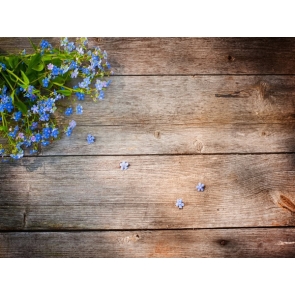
(179, 203)
(124, 165)
(200, 187)
(69, 111)
(90, 138)
(79, 109)
(69, 131)
(72, 124)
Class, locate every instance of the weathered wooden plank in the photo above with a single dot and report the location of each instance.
(186, 56)
(137, 139)
(93, 193)
(266, 242)
(193, 100)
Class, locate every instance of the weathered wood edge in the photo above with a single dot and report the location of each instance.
(267, 242)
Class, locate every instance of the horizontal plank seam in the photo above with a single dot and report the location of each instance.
(204, 75)
(199, 125)
(146, 229)
(159, 155)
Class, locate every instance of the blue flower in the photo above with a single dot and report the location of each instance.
(90, 138)
(2, 66)
(80, 95)
(54, 132)
(72, 124)
(55, 71)
(32, 152)
(45, 82)
(18, 155)
(45, 44)
(64, 42)
(69, 111)
(17, 115)
(124, 165)
(46, 132)
(34, 125)
(200, 187)
(45, 143)
(179, 203)
(38, 137)
(70, 46)
(79, 109)
(69, 131)
(75, 73)
(101, 95)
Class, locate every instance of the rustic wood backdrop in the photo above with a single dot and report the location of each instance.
(220, 111)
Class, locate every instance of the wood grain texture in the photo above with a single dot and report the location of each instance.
(187, 56)
(93, 193)
(193, 100)
(268, 242)
(157, 139)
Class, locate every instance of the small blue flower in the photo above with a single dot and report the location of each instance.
(80, 95)
(45, 143)
(69, 111)
(72, 124)
(79, 109)
(2, 66)
(90, 138)
(54, 133)
(179, 203)
(75, 73)
(200, 187)
(101, 95)
(32, 152)
(45, 82)
(69, 131)
(17, 115)
(124, 165)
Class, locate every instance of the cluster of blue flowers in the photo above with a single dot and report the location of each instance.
(5, 101)
(33, 125)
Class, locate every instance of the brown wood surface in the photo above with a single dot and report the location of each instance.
(266, 242)
(159, 139)
(220, 111)
(187, 56)
(93, 193)
(191, 100)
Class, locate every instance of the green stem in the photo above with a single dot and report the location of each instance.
(10, 72)
(7, 81)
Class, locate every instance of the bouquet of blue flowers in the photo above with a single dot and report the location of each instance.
(32, 84)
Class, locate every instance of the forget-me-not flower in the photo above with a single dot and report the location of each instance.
(179, 203)
(200, 187)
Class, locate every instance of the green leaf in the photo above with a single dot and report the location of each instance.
(39, 67)
(35, 63)
(65, 92)
(25, 78)
(58, 84)
(21, 106)
(12, 96)
(3, 128)
(33, 45)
